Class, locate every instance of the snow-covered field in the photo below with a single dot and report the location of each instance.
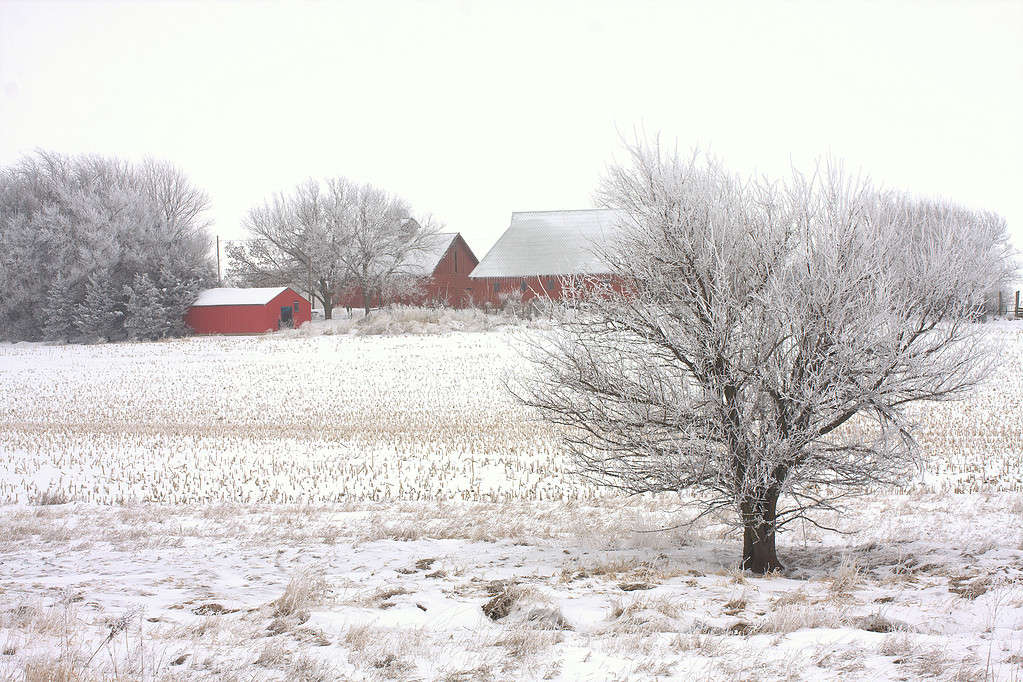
(273, 419)
(344, 507)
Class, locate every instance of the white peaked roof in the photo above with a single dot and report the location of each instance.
(423, 262)
(229, 296)
(551, 243)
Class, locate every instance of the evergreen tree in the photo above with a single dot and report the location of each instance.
(100, 315)
(145, 317)
(58, 310)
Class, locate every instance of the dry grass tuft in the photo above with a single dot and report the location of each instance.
(709, 646)
(548, 619)
(877, 622)
(381, 598)
(845, 580)
(846, 660)
(612, 568)
(42, 670)
(359, 637)
(645, 615)
(306, 589)
(392, 665)
(735, 606)
(925, 661)
(481, 673)
(522, 642)
(502, 604)
(795, 617)
(272, 655)
(52, 497)
(797, 596)
(736, 575)
(968, 587)
(32, 617)
(305, 667)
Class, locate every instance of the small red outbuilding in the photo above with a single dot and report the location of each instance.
(247, 311)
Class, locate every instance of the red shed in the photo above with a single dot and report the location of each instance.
(247, 311)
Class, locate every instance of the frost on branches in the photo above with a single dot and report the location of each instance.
(94, 248)
(768, 340)
(331, 236)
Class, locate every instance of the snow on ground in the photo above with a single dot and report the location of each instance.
(347, 507)
(273, 419)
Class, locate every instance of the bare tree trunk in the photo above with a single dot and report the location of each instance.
(365, 300)
(759, 554)
(328, 306)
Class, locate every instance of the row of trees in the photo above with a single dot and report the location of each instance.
(95, 248)
(332, 236)
(769, 338)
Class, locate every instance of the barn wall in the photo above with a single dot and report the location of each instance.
(288, 297)
(228, 319)
(543, 286)
(448, 285)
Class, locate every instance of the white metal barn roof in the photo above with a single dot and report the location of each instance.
(424, 262)
(550, 243)
(229, 296)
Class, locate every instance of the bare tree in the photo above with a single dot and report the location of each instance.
(181, 205)
(345, 234)
(377, 239)
(287, 246)
(767, 340)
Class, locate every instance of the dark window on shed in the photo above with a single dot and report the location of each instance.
(455, 254)
(552, 284)
(497, 287)
(522, 286)
(295, 306)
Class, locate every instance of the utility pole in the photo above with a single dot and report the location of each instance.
(309, 266)
(218, 261)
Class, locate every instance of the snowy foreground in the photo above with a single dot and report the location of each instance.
(341, 507)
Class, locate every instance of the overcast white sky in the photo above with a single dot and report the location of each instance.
(474, 110)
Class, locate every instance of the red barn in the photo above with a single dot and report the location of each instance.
(442, 269)
(540, 250)
(247, 311)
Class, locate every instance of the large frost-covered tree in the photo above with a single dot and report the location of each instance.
(768, 338)
(339, 234)
(83, 237)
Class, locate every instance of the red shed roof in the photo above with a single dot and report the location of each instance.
(231, 296)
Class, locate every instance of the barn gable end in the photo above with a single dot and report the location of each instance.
(443, 269)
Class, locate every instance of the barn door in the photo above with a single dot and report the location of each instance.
(287, 319)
